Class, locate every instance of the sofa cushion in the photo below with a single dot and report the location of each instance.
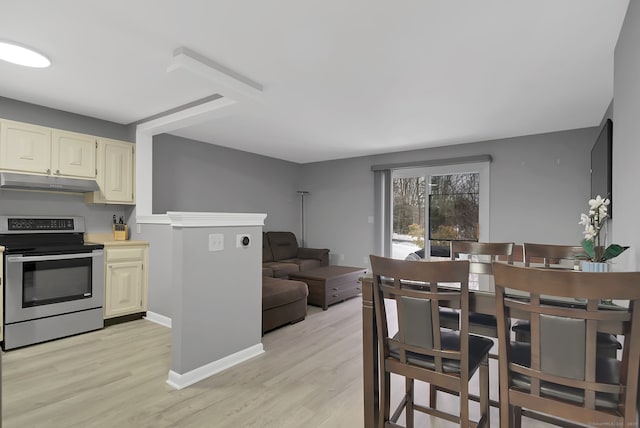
(267, 255)
(267, 271)
(284, 245)
(304, 264)
(277, 292)
(280, 269)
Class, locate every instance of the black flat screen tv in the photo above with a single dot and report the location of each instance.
(601, 163)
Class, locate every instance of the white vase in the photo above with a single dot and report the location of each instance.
(594, 267)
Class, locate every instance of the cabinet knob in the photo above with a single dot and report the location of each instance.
(48, 170)
(57, 172)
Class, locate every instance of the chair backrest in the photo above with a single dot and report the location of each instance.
(562, 355)
(482, 254)
(550, 254)
(413, 286)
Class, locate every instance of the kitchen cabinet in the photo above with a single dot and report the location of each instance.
(126, 279)
(36, 149)
(115, 173)
(73, 155)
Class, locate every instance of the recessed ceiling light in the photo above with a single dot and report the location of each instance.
(16, 54)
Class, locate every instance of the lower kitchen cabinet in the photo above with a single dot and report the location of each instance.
(126, 279)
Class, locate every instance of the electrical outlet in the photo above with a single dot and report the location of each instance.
(216, 242)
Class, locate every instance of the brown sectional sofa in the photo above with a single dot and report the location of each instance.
(285, 301)
(282, 256)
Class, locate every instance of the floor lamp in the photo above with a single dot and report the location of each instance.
(302, 194)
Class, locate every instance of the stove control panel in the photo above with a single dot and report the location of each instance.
(35, 224)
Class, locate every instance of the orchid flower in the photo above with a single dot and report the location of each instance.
(593, 224)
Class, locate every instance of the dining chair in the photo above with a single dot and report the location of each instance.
(413, 345)
(567, 257)
(558, 374)
(549, 254)
(481, 255)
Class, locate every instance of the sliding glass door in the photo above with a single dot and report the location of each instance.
(433, 206)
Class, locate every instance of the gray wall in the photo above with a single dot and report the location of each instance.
(98, 217)
(539, 186)
(195, 176)
(217, 297)
(626, 136)
(44, 116)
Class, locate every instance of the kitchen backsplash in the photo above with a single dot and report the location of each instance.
(98, 218)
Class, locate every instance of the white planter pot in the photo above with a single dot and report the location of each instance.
(594, 267)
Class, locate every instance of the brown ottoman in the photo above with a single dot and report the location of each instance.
(283, 302)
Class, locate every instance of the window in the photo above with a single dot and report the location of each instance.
(409, 199)
(454, 203)
(434, 205)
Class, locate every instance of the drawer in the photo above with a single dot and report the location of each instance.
(342, 287)
(342, 294)
(119, 254)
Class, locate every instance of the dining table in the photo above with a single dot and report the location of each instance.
(482, 299)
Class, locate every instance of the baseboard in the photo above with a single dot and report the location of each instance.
(179, 381)
(158, 319)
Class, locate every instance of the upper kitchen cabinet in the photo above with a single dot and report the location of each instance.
(24, 147)
(36, 149)
(116, 173)
(73, 154)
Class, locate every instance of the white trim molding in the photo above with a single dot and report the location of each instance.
(206, 219)
(179, 381)
(158, 319)
(153, 219)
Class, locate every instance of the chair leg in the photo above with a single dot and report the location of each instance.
(484, 390)
(517, 417)
(385, 390)
(432, 396)
(464, 402)
(506, 414)
(408, 410)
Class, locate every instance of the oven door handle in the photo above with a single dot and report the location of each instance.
(20, 259)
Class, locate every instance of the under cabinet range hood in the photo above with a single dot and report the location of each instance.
(46, 182)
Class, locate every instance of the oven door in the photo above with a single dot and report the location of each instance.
(53, 284)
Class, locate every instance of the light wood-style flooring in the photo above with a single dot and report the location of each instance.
(309, 376)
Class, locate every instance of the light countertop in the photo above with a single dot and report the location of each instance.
(107, 240)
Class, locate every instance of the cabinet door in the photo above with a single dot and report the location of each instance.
(116, 177)
(123, 288)
(73, 154)
(25, 148)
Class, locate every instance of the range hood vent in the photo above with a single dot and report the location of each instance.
(46, 182)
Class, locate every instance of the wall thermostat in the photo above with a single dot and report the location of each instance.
(243, 241)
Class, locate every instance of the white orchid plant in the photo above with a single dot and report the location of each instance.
(594, 222)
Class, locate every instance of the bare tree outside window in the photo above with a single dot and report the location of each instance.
(409, 199)
(453, 212)
(454, 208)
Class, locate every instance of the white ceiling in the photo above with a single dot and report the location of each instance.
(340, 78)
